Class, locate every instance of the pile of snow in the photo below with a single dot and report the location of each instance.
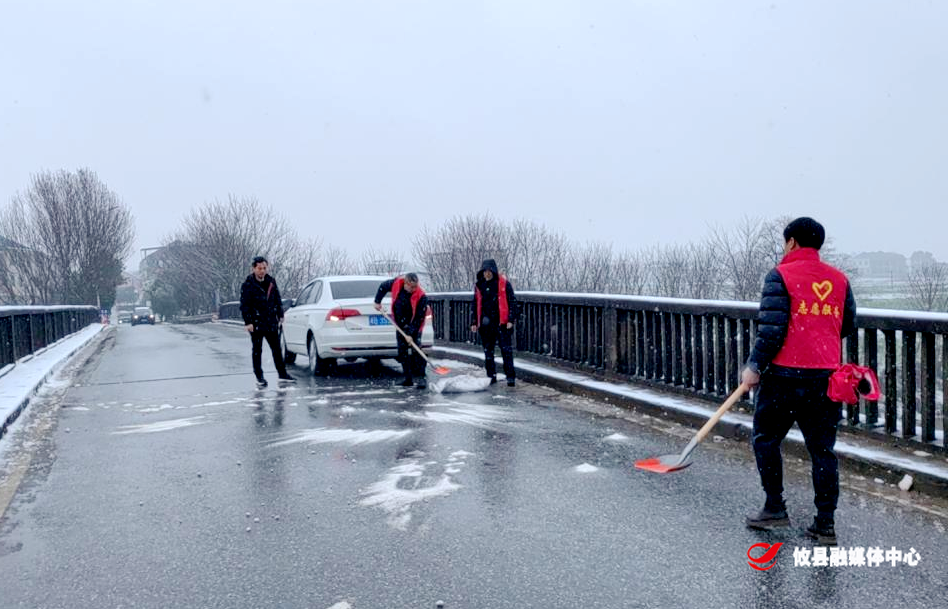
(460, 384)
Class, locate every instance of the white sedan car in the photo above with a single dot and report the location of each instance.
(335, 317)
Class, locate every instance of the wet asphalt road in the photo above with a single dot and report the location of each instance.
(159, 477)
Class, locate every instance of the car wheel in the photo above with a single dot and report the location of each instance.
(317, 365)
(288, 356)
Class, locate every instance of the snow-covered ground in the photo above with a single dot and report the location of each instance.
(20, 382)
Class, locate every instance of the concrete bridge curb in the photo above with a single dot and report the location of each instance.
(39, 367)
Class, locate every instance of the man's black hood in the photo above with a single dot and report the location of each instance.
(488, 265)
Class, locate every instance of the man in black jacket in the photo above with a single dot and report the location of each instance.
(262, 311)
(807, 306)
(409, 306)
(495, 312)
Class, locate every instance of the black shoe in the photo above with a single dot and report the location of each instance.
(765, 520)
(287, 378)
(405, 383)
(511, 382)
(493, 380)
(422, 384)
(823, 533)
(261, 382)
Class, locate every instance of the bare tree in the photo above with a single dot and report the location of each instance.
(928, 287)
(746, 251)
(378, 262)
(702, 275)
(590, 269)
(630, 273)
(72, 235)
(453, 253)
(228, 234)
(537, 258)
(336, 261)
(303, 262)
(207, 259)
(668, 264)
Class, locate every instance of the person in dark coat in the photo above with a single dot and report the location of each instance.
(409, 306)
(262, 310)
(806, 308)
(495, 312)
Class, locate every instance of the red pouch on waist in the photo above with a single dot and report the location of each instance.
(850, 382)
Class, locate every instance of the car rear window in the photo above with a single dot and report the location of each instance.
(361, 288)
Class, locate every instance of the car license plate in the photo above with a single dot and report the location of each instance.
(379, 320)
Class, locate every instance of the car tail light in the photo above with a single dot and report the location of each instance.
(429, 314)
(341, 314)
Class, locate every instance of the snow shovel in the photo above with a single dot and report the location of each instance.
(673, 463)
(439, 370)
(459, 383)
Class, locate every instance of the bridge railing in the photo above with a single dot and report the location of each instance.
(26, 330)
(697, 347)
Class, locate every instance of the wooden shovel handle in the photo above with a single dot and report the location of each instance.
(407, 338)
(730, 401)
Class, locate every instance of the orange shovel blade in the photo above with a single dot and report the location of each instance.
(662, 465)
(441, 370)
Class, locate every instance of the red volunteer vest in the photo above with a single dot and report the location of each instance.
(501, 301)
(817, 301)
(415, 299)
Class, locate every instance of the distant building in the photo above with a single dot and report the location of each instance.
(880, 265)
(153, 260)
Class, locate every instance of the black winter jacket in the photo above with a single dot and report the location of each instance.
(401, 308)
(490, 293)
(260, 303)
(773, 320)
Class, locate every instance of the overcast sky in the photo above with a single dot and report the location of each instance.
(632, 122)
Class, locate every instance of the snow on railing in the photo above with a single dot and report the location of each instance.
(26, 330)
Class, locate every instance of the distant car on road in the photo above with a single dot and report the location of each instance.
(124, 317)
(143, 315)
(335, 317)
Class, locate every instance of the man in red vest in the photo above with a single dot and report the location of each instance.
(806, 308)
(495, 312)
(409, 305)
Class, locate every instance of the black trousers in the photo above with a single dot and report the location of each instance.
(412, 364)
(491, 335)
(273, 339)
(780, 402)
